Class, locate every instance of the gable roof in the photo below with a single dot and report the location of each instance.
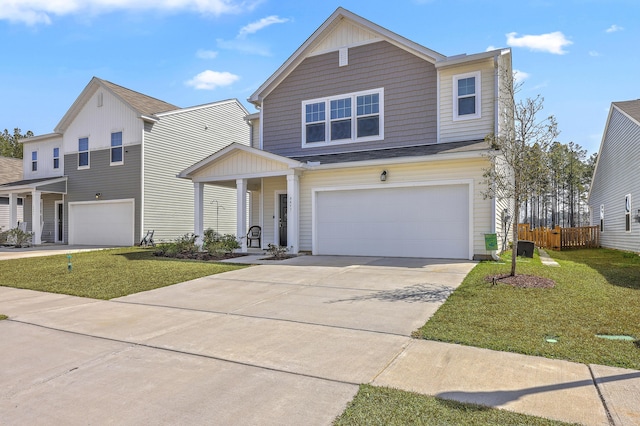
(10, 169)
(145, 106)
(630, 108)
(369, 32)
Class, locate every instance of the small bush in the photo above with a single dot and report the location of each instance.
(217, 244)
(278, 252)
(18, 238)
(182, 246)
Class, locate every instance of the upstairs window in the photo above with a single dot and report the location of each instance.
(466, 95)
(627, 213)
(56, 158)
(116, 148)
(83, 153)
(354, 117)
(34, 161)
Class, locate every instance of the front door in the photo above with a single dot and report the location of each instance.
(282, 206)
(59, 221)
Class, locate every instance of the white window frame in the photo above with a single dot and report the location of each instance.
(627, 214)
(34, 161)
(478, 95)
(354, 119)
(88, 151)
(53, 152)
(121, 147)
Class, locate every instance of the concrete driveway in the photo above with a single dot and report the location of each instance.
(286, 343)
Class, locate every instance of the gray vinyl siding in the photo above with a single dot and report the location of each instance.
(60, 187)
(410, 98)
(616, 176)
(113, 182)
(176, 142)
(49, 212)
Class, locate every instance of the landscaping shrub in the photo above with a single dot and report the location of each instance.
(17, 237)
(277, 252)
(217, 244)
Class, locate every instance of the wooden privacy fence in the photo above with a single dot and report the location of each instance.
(561, 238)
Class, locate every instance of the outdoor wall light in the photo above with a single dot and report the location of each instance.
(383, 176)
(98, 195)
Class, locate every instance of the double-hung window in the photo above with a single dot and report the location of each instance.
(354, 117)
(83, 153)
(627, 213)
(466, 96)
(116, 148)
(34, 161)
(56, 158)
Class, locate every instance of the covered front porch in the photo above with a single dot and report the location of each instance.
(267, 188)
(43, 207)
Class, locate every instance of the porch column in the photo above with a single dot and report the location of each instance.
(293, 212)
(198, 211)
(36, 228)
(13, 210)
(241, 213)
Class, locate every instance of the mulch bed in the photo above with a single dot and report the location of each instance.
(205, 256)
(522, 281)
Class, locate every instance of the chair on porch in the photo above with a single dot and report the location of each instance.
(255, 233)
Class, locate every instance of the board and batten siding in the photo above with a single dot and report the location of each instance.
(112, 182)
(410, 92)
(471, 129)
(177, 141)
(98, 122)
(616, 176)
(418, 173)
(44, 148)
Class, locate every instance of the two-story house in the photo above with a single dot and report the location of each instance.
(107, 173)
(367, 143)
(615, 187)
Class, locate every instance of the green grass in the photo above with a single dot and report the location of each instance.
(385, 406)
(104, 274)
(3, 317)
(597, 292)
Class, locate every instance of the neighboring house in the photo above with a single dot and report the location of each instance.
(614, 196)
(10, 170)
(108, 172)
(367, 143)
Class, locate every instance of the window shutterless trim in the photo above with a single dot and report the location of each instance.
(477, 75)
(322, 116)
(115, 148)
(82, 152)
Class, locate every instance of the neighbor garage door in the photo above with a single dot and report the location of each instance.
(424, 221)
(109, 223)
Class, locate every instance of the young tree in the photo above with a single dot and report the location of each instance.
(510, 176)
(9, 143)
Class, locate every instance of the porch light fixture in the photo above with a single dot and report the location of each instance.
(383, 176)
(98, 195)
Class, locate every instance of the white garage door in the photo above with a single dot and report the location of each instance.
(425, 221)
(109, 223)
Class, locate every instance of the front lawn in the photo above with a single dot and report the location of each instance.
(104, 274)
(597, 292)
(385, 406)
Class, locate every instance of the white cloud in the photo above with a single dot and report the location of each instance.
(594, 53)
(209, 80)
(614, 28)
(550, 42)
(258, 25)
(33, 12)
(206, 54)
(520, 76)
(490, 48)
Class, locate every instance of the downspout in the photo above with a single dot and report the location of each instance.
(496, 89)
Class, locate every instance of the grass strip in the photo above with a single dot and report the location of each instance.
(384, 406)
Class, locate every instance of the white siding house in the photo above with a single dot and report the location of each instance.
(614, 197)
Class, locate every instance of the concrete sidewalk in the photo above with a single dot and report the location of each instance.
(275, 344)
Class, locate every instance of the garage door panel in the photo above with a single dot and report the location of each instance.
(425, 221)
(102, 223)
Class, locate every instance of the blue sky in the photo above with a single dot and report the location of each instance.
(579, 55)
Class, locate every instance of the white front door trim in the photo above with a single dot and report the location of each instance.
(276, 215)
